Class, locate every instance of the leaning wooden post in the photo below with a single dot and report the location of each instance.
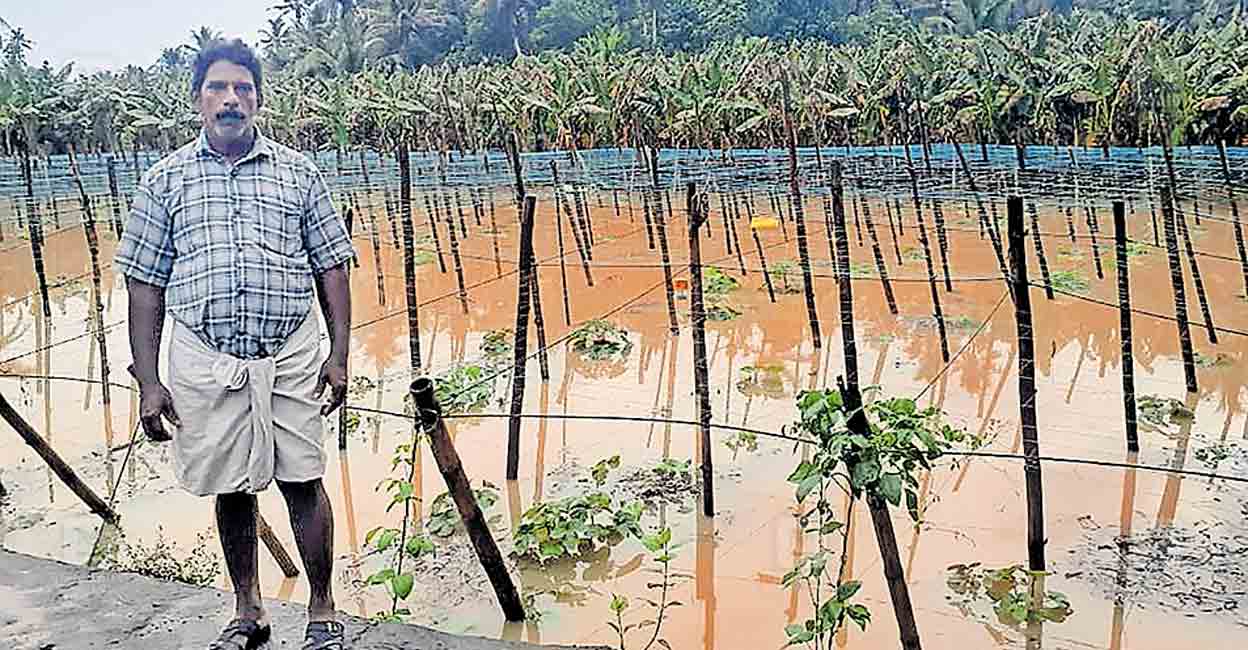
(937, 310)
(1038, 241)
(58, 466)
(97, 303)
(459, 265)
(660, 226)
(34, 223)
(1124, 316)
(1180, 291)
(846, 284)
(409, 254)
(803, 249)
(561, 199)
(1239, 230)
(1026, 385)
(885, 536)
(265, 534)
(520, 347)
(114, 196)
(429, 413)
(701, 381)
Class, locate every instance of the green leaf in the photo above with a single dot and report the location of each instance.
(387, 539)
(865, 473)
(402, 585)
(807, 485)
(890, 488)
(848, 589)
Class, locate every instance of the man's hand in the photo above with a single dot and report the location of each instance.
(334, 375)
(154, 402)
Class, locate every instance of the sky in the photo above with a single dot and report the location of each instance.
(110, 34)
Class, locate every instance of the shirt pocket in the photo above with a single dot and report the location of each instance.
(278, 214)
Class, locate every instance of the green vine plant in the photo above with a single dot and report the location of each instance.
(1158, 413)
(576, 525)
(717, 283)
(600, 340)
(660, 544)
(877, 462)
(396, 545)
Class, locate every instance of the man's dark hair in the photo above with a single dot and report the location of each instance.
(233, 50)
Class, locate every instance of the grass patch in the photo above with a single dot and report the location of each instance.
(785, 277)
(1067, 280)
(164, 560)
(721, 311)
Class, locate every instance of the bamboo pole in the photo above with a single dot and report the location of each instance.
(1239, 231)
(409, 254)
(1180, 291)
(846, 285)
(455, 259)
(563, 263)
(942, 241)
(697, 214)
(803, 249)
(586, 225)
(1027, 386)
(271, 542)
(881, 267)
(431, 211)
(1093, 228)
(736, 235)
(520, 348)
(375, 240)
(1124, 316)
(1197, 280)
(55, 463)
(660, 227)
(885, 536)
(34, 223)
(114, 196)
(539, 322)
(937, 311)
(460, 488)
(97, 305)
(1039, 242)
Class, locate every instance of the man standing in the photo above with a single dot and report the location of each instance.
(231, 234)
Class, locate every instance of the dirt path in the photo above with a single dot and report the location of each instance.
(46, 604)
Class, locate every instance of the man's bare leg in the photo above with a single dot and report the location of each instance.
(312, 519)
(236, 525)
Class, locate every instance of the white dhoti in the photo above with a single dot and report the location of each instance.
(246, 422)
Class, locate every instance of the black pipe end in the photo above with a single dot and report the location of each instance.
(427, 407)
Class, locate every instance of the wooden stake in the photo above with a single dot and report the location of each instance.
(660, 226)
(1239, 231)
(34, 224)
(520, 347)
(1180, 291)
(1201, 298)
(846, 285)
(265, 533)
(409, 254)
(880, 266)
(460, 488)
(97, 304)
(114, 196)
(1124, 317)
(58, 466)
(697, 214)
(459, 265)
(803, 249)
(1027, 386)
(942, 242)
(431, 211)
(563, 264)
(1035, 235)
(937, 311)
(581, 249)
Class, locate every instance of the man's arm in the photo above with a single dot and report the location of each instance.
(333, 290)
(147, 317)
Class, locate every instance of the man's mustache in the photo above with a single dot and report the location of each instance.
(223, 115)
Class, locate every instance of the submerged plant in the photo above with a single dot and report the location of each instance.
(496, 347)
(1016, 594)
(578, 524)
(600, 340)
(1158, 413)
(717, 283)
(784, 276)
(764, 381)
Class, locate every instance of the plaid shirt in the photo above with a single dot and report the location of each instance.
(236, 247)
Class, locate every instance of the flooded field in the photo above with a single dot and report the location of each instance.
(1148, 559)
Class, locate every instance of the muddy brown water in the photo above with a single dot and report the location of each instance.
(729, 569)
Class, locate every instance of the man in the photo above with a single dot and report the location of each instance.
(230, 234)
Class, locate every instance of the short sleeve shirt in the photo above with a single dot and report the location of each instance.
(236, 247)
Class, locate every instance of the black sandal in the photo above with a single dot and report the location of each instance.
(325, 635)
(242, 635)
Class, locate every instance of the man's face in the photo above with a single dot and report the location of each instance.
(228, 102)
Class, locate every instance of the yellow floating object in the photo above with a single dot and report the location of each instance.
(765, 223)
